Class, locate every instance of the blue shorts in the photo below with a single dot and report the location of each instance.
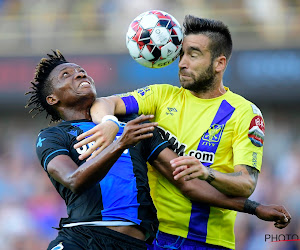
(165, 241)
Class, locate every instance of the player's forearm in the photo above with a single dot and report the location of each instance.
(196, 190)
(200, 191)
(233, 184)
(111, 105)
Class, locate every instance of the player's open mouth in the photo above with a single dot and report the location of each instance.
(84, 84)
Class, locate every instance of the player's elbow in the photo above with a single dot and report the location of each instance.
(248, 188)
(76, 186)
(185, 189)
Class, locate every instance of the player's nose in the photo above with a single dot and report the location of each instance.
(80, 74)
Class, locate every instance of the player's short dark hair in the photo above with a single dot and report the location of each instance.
(216, 31)
(42, 87)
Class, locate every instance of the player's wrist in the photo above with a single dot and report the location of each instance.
(250, 206)
(211, 175)
(110, 118)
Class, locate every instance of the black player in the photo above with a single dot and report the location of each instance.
(107, 198)
(97, 200)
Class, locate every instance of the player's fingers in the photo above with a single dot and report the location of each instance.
(86, 134)
(144, 130)
(140, 119)
(191, 176)
(96, 152)
(179, 169)
(281, 225)
(286, 213)
(184, 173)
(87, 140)
(143, 136)
(180, 158)
(92, 150)
(184, 161)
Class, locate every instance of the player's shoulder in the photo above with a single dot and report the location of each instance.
(164, 87)
(53, 130)
(243, 105)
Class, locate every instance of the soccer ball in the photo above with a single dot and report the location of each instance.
(154, 39)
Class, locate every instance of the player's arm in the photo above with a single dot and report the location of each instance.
(241, 182)
(200, 191)
(64, 170)
(104, 133)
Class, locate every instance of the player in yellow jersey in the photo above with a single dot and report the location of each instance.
(218, 135)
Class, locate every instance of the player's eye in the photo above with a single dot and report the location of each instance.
(65, 74)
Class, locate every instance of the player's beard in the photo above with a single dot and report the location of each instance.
(202, 82)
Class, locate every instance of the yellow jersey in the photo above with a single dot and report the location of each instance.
(221, 132)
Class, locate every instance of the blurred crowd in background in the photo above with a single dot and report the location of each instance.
(29, 204)
(95, 26)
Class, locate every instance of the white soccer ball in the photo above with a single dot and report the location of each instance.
(154, 39)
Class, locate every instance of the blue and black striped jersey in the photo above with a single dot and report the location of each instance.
(122, 195)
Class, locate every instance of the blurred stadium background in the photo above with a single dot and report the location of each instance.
(265, 68)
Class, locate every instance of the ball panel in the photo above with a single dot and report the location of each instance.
(144, 62)
(148, 21)
(168, 50)
(147, 54)
(130, 32)
(160, 35)
(133, 48)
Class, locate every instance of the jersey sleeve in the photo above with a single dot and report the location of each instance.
(146, 100)
(153, 146)
(248, 138)
(50, 143)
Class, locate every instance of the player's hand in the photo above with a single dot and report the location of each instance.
(188, 167)
(275, 213)
(101, 136)
(135, 131)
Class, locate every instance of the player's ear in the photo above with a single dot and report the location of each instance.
(220, 63)
(52, 99)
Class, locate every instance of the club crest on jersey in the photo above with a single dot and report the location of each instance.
(214, 133)
(256, 132)
(144, 92)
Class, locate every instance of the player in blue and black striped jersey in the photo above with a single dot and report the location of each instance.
(108, 198)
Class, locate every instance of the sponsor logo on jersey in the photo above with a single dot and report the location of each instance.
(214, 133)
(176, 146)
(180, 148)
(203, 156)
(40, 142)
(58, 247)
(171, 111)
(256, 132)
(84, 148)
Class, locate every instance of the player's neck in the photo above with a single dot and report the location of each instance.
(216, 91)
(69, 114)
